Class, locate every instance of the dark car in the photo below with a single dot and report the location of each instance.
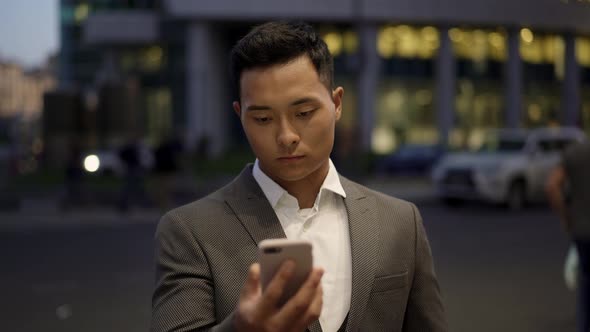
(411, 159)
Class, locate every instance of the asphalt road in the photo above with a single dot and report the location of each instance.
(498, 271)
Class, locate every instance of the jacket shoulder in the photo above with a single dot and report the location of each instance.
(394, 214)
(381, 198)
(201, 213)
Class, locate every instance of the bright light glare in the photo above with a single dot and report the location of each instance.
(91, 163)
(527, 35)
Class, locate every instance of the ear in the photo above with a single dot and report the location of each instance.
(337, 99)
(237, 108)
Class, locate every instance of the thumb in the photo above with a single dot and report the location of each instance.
(252, 285)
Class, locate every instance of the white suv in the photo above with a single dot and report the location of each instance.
(510, 167)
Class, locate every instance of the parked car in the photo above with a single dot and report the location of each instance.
(411, 159)
(511, 167)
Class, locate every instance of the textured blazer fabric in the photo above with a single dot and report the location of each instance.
(204, 250)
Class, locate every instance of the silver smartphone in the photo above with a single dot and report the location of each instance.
(273, 252)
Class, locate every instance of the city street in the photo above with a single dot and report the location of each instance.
(113, 112)
(498, 270)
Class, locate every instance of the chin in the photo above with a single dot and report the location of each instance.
(292, 176)
(292, 173)
(297, 175)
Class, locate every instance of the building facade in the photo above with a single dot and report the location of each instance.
(21, 91)
(421, 71)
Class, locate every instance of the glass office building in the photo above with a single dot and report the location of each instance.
(416, 72)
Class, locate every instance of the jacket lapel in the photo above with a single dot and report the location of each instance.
(364, 230)
(315, 326)
(252, 208)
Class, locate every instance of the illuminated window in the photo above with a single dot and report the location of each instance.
(151, 58)
(527, 36)
(479, 100)
(407, 42)
(334, 42)
(542, 49)
(340, 41)
(583, 51)
(145, 59)
(479, 44)
(159, 111)
(404, 109)
(543, 70)
(81, 12)
(350, 42)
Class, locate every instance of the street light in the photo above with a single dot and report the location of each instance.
(91, 163)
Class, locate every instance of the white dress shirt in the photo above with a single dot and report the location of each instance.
(325, 225)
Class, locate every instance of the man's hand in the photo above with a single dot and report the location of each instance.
(259, 311)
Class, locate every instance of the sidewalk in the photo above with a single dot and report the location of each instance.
(44, 213)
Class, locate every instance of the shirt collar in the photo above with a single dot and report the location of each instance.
(273, 191)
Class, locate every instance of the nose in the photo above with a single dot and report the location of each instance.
(287, 135)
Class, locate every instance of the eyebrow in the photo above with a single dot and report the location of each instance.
(295, 103)
(258, 108)
(303, 101)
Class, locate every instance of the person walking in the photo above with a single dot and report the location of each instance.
(568, 191)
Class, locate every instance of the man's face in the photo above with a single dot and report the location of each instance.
(289, 117)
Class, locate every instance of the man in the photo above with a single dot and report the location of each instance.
(375, 270)
(574, 213)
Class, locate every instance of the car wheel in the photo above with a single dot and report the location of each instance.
(516, 199)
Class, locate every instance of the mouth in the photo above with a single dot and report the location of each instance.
(290, 158)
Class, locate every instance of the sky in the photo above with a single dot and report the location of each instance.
(29, 30)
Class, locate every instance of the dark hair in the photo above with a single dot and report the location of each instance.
(275, 43)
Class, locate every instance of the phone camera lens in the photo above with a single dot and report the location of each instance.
(273, 250)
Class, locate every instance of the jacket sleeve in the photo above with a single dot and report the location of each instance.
(183, 299)
(425, 309)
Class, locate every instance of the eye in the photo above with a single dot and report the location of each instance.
(262, 119)
(305, 113)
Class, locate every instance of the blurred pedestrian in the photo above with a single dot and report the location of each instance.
(73, 178)
(202, 150)
(167, 165)
(568, 190)
(133, 190)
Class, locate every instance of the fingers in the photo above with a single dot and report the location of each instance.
(306, 302)
(252, 285)
(275, 288)
(258, 311)
(316, 305)
(313, 311)
(245, 318)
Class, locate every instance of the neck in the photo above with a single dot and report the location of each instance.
(306, 190)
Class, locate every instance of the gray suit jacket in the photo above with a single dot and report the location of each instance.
(204, 250)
